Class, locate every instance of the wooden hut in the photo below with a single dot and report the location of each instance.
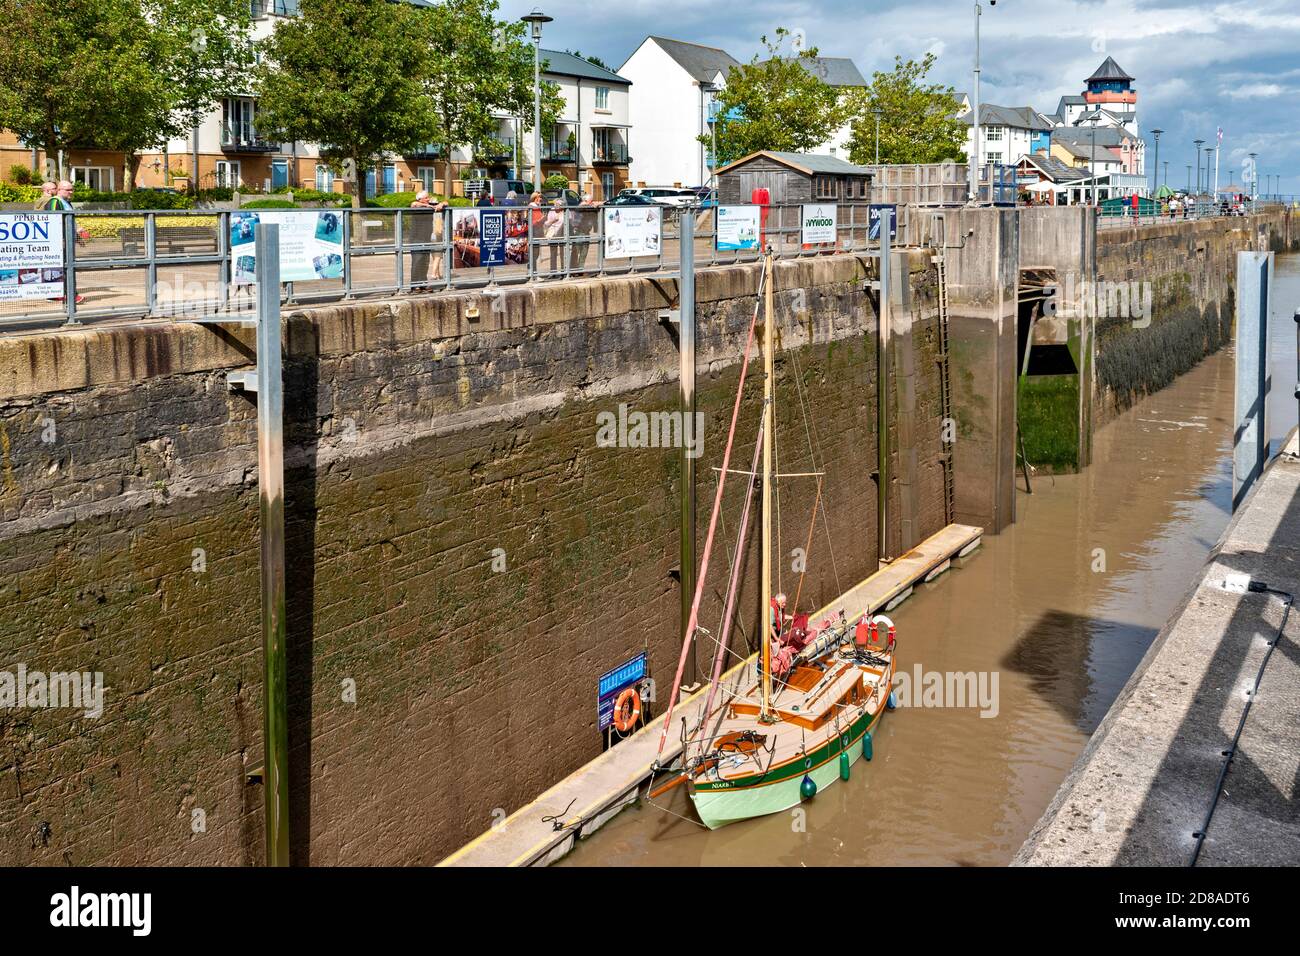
(793, 178)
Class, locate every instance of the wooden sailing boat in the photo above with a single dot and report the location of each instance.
(777, 738)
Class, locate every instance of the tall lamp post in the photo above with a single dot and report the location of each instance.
(1199, 143)
(973, 160)
(535, 21)
(1164, 176)
(1254, 177)
(876, 111)
(1189, 179)
(1155, 173)
(1208, 150)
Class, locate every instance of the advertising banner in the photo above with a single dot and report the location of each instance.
(738, 227)
(882, 212)
(632, 231)
(311, 244)
(31, 256)
(488, 237)
(818, 223)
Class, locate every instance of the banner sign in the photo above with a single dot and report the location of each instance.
(818, 223)
(738, 227)
(311, 244)
(873, 221)
(488, 237)
(492, 237)
(614, 683)
(632, 231)
(31, 256)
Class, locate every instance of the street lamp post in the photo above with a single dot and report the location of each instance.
(877, 111)
(1208, 150)
(1254, 178)
(1164, 176)
(535, 21)
(974, 158)
(1199, 143)
(1155, 172)
(1189, 179)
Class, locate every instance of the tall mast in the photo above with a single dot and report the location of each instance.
(769, 419)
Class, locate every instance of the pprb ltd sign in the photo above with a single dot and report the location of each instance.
(31, 256)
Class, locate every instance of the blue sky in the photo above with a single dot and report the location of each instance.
(1197, 65)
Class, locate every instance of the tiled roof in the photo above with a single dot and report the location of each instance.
(566, 64)
(703, 63)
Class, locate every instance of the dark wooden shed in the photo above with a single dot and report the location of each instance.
(793, 178)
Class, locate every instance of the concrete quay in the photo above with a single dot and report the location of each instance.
(1140, 792)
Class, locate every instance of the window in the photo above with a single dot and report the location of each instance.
(993, 157)
(428, 177)
(237, 114)
(95, 177)
(825, 187)
(228, 174)
(324, 179)
(602, 97)
(994, 134)
(607, 185)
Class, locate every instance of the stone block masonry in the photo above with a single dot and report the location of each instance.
(1191, 269)
(426, 449)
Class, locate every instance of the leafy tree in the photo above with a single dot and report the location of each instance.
(918, 120)
(590, 59)
(478, 68)
(348, 75)
(115, 74)
(779, 104)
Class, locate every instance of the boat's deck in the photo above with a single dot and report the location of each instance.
(811, 709)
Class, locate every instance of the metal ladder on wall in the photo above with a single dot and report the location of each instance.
(947, 424)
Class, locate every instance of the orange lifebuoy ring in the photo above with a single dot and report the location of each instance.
(873, 632)
(627, 710)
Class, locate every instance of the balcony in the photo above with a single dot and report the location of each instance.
(427, 151)
(558, 153)
(613, 154)
(496, 151)
(244, 140)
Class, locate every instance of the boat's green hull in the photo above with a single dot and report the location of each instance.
(718, 806)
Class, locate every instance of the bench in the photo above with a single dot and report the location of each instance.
(169, 240)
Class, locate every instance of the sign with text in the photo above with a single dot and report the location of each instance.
(632, 231)
(488, 237)
(738, 227)
(876, 215)
(818, 223)
(311, 244)
(492, 237)
(31, 256)
(613, 683)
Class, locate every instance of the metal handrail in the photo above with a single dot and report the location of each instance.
(191, 251)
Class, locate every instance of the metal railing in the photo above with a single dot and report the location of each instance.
(1189, 211)
(122, 264)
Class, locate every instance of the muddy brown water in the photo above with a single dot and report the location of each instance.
(1061, 607)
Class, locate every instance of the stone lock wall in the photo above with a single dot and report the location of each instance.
(1192, 271)
(463, 560)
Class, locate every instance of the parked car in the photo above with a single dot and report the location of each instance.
(664, 195)
(633, 197)
(568, 195)
(497, 189)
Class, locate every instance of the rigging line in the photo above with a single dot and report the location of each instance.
(713, 518)
(812, 526)
(813, 441)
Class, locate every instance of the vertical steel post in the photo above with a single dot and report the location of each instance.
(882, 399)
(686, 407)
(270, 484)
(973, 160)
(68, 223)
(1250, 433)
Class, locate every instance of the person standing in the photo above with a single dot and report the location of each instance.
(58, 198)
(555, 236)
(535, 227)
(583, 226)
(425, 224)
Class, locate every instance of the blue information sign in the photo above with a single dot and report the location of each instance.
(614, 683)
(492, 237)
(875, 214)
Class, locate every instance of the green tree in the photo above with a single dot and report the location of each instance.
(779, 104)
(918, 120)
(115, 74)
(347, 75)
(477, 69)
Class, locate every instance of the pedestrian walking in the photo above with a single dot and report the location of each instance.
(58, 198)
(536, 218)
(582, 225)
(48, 191)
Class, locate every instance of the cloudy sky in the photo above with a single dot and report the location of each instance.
(1197, 66)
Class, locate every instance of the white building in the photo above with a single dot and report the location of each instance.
(1007, 133)
(670, 104)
